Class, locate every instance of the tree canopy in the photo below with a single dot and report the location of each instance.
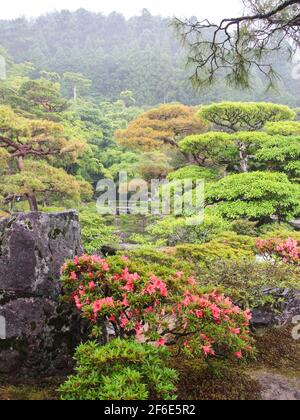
(237, 47)
(238, 116)
(30, 147)
(161, 127)
(256, 196)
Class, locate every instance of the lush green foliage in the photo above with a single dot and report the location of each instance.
(193, 173)
(249, 282)
(174, 231)
(255, 195)
(31, 146)
(285, 128)
(229, 247)
(240, 116)
(120, 370)
(95, 231)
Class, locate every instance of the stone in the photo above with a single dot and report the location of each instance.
(33, 247)
(295, 224)
(287, 309)
(41, 331)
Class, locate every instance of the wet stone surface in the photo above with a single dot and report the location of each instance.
(40, 331)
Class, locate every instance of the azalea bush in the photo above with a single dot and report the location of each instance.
(133, 304)
(120, 370)
(287, 251)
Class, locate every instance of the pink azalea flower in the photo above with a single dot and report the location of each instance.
(199, 314)
(78, 304)
(235, 331)
(124, 321)
(105, 266)
(191, 281)
(73, 276)
(138, 329)
(125, 301)
(92, 285)
(248, 315)
(161, 342)
(208, 351)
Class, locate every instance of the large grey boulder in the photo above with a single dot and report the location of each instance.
(287, 308)
(41, 331)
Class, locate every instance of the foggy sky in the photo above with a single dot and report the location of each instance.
(213, 9)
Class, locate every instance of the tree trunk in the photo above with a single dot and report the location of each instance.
(75, 93)
(30, 197)
(32, 203)
(20, 163)
(244, 158)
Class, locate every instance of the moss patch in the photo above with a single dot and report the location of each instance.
(278, 350)
(227, 382)
(29, 391)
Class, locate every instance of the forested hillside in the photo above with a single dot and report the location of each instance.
(140, 54)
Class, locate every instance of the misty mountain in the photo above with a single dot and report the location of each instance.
(141, 54)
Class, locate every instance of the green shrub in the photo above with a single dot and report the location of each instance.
(257, 196)
(245, 227)
(281, 233)
(121, 370)
(227, 246)
(193, 173)
(161, 262)
(189, 229)
(246, 280)
(95, 232)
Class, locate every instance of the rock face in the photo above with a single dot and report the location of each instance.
(289, 308)
(40, 331)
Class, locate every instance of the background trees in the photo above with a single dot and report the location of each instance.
(140, 54)
(161, 128)
(31, 146)
(244, 120)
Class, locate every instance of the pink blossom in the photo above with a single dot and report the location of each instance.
(78, 304)
(124, 321)
(105, 266)
(191, 281)
(74, 276)
(208, 351)
(92, 285)
(235, 331)
(248, 315)
(125, 301)
(138, 329)
(215, 312)
(199, 314)
(161, 342)
(239, 355)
